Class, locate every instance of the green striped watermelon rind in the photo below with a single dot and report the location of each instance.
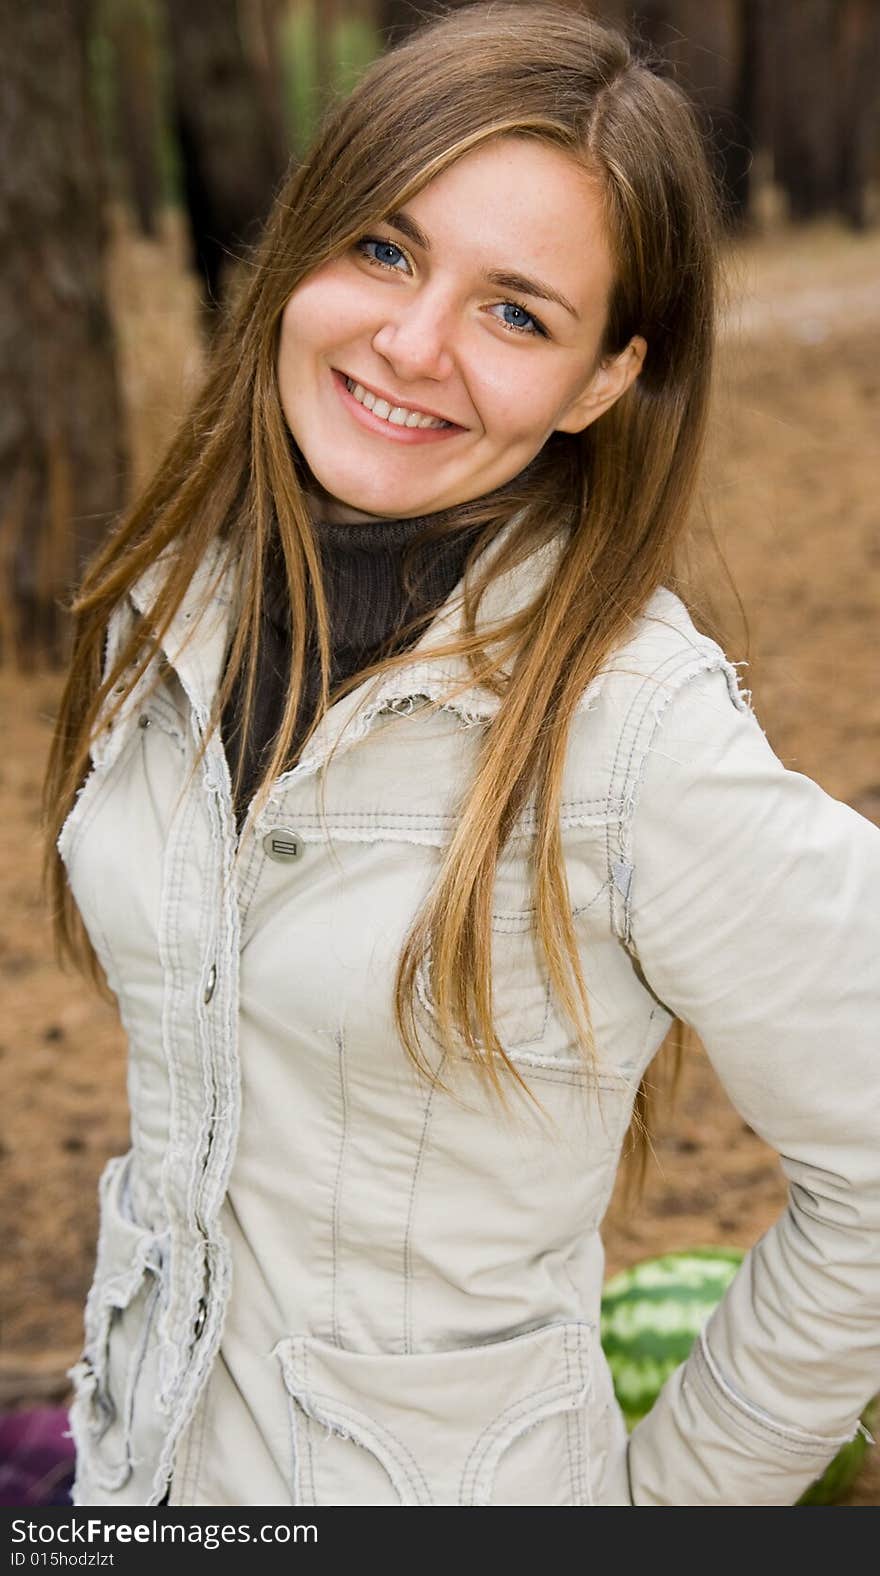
(656, 1310)
(651, 1316)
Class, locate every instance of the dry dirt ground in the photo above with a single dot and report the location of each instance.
(791, 508)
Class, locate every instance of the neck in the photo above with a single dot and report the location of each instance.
(328, 511)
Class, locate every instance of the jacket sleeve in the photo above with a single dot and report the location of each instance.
(755, 917)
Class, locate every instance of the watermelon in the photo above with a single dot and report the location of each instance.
(651, 1315)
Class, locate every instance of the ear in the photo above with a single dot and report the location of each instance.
(612, 378)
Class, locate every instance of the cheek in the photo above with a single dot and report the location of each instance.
(320, 313)
(311, 325)
(517, 409)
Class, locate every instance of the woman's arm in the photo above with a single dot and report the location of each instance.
(755, 915)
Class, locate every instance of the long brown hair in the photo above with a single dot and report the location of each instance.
(617, 496)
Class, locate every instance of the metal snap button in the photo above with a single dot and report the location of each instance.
(212, 981)
(143, 722)
(282, 844)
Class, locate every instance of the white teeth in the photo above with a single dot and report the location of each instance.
(398, 415)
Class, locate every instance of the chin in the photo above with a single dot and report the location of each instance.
(382, 503)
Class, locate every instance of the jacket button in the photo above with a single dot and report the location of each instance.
(212, 981)
(201, 1316)
(282, 844)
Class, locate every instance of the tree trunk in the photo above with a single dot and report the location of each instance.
(61, 458)
(859, 147)
(131, 27)
(826, 119)
(230, 123)
(805, 103)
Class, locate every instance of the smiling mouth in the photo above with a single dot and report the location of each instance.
(395, 415)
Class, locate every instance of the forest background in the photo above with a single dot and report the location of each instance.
(140, 144)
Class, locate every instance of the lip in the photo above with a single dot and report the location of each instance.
(393, 400)
(387, 429)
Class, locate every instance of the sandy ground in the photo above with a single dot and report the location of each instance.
(790, 507)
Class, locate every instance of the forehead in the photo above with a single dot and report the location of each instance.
(517, 202)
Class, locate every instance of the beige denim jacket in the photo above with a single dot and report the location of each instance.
(321, 1281)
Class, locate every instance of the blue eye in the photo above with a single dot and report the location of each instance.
(531, 325)
(387, 254)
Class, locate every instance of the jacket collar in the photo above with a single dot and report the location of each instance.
(196, 642)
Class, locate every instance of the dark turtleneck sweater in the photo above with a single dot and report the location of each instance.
(368, 599)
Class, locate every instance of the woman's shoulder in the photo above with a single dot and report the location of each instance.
(664, 657)
(665, 649)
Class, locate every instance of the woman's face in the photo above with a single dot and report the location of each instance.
(482, 304)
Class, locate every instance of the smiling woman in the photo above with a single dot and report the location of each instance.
(403, 806)
(426, 334)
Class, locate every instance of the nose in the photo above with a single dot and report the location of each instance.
(415, 339)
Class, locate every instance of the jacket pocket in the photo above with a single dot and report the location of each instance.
(521, 990)
(111, 1385)
(520, 979)
(506, 1423)
(526, 1018)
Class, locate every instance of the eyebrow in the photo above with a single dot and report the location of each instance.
(504, 278)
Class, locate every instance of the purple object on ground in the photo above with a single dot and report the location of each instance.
(36, 1460)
